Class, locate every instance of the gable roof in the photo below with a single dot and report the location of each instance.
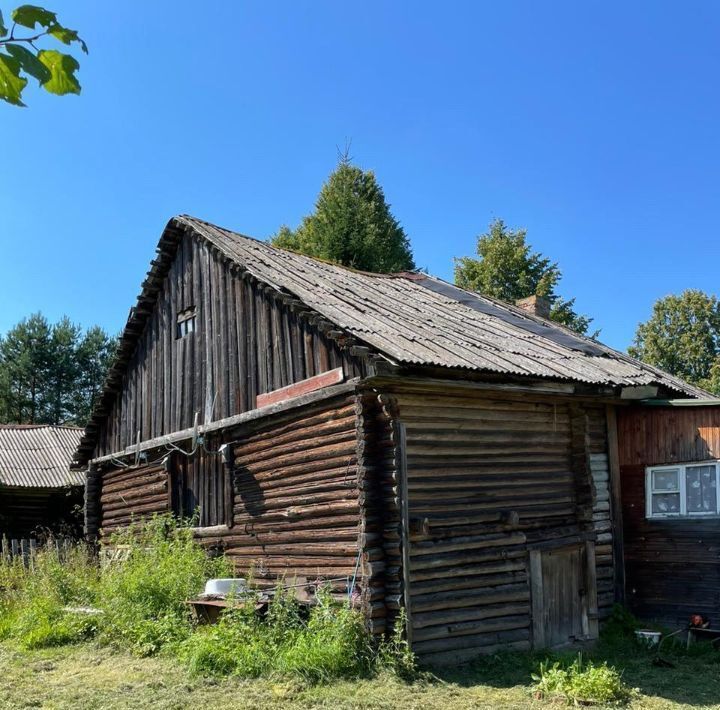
(38, 455)
(416, 319)
(410, 318)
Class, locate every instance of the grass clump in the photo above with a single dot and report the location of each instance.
(581, 682)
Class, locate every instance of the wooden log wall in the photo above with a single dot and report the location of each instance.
(130, 494)
(25, 511)
(297, 499)
(248, 339)
(672, 566)
(602, 513)
(380, 512)
(488, 475)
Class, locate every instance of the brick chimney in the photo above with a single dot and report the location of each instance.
(535, 305)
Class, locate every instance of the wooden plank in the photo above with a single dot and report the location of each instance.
(591, 597)
(616, 504)
(536, 596)
(311, 384)
(405, 527)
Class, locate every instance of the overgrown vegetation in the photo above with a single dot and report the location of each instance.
(138, 605)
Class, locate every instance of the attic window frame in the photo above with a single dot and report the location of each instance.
(186, 322)
(680, 490)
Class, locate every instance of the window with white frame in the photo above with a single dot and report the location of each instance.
(687, 490)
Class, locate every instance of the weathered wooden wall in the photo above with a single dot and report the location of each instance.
(247, 341)
(296, 497)
(488, 476)
(25, 510)
(672, 566)
(125, 495)
(301, 505)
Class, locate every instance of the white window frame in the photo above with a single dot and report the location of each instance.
(681, 468)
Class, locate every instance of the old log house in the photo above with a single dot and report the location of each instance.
(440, 451)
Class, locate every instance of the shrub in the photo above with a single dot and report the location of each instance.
(581, 683)
(143, 597)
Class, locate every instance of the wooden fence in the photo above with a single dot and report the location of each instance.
(26, 548)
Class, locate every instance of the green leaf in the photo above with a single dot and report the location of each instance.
(29, 62)
(3, 29)
(31, 15)
(66, 36)
(11, 83)
(62, 72)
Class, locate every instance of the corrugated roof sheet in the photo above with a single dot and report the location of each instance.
(38, 456)
(409, 318)
(416, 319)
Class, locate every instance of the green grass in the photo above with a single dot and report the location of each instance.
(86, 675)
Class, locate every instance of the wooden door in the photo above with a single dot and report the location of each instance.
(564, 595)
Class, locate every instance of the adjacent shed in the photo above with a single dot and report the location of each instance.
(670, 469)
(401, 438)
(38, 491)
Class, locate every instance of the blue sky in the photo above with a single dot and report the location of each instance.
(595, 125)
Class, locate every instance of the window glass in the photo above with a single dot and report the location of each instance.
(700, 488)
(666, 503)
(666, 480)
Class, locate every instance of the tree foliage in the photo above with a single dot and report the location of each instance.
(682, 337)
(508, 269)
(21, 58)
(352, 225)
(51, 373)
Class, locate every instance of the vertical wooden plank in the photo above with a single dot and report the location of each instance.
(208, 330)
(536, 597)
(233, 356)
(199, 336)
(401, 440)
(616, 503)
(591, 590)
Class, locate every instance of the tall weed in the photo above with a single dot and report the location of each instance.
(143, 597)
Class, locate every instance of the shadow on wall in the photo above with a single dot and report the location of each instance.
(251, 493)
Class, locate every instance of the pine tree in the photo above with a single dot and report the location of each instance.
(508, 270)
(50, 374)
(352, 225)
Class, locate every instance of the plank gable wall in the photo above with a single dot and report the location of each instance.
(246, 342)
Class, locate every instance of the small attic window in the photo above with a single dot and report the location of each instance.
(186, 322)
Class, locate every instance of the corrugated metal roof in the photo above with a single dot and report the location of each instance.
(416, 319)
(38, 456)
(409, 318)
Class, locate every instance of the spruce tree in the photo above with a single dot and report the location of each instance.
(352, 225)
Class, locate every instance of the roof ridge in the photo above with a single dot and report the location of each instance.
(41, 426)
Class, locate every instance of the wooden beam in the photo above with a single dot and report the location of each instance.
(311, 384)
(236, 420)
